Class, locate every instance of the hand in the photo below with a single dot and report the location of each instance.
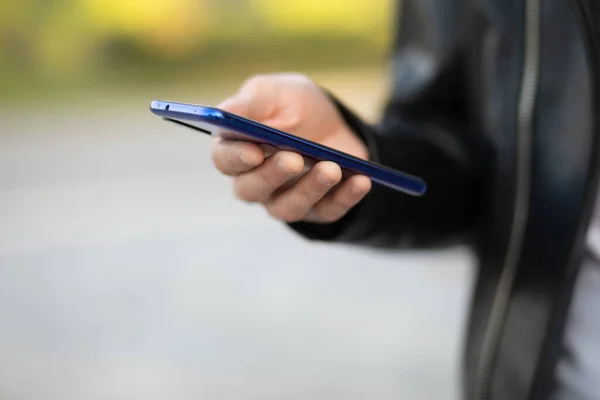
(295, 104)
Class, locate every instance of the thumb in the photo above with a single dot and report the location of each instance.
(249, 104)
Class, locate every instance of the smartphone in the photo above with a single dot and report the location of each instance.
(216, 122)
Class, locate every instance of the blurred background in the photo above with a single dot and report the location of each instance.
(128, 270)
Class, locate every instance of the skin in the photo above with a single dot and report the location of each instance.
(288, 188)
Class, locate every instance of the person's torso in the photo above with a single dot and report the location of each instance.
(531, 91)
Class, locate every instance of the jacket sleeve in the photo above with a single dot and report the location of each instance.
(424, 131)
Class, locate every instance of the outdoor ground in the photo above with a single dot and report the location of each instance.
(129, 271)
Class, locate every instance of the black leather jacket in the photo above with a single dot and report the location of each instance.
(495, 103)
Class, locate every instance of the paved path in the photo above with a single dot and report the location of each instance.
(128, 271)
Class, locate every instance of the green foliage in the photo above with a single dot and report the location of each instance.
(50, 44)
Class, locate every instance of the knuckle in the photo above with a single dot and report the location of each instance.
(243, 192)
(287, 163)
(327, 216)
(342, 205)
(274, 212)
(225, 161)
(299, 77)
(332, 212)
(214, 157)
(284, 213)
(217, 160)
(291, 122)
(255, 81)
(271, 175)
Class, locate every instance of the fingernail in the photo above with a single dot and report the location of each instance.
(323, 179)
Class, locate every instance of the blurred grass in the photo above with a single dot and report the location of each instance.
(50, 50)
(217, 62)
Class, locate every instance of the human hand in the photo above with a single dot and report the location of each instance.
(292, 103)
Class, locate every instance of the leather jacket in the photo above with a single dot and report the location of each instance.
(495, 104)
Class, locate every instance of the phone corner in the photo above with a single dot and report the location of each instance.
(213, 113)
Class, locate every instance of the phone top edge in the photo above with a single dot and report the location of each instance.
(412, 184)
(172, 108)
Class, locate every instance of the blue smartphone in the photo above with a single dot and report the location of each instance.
(217, 122)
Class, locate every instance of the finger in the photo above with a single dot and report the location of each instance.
(235, 157)
(260, 183)
(340, 201)
(294, 204)
(252, 101)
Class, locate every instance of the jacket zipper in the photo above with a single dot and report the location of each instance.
(526, 107)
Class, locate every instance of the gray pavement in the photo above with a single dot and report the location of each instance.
(128, 271)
